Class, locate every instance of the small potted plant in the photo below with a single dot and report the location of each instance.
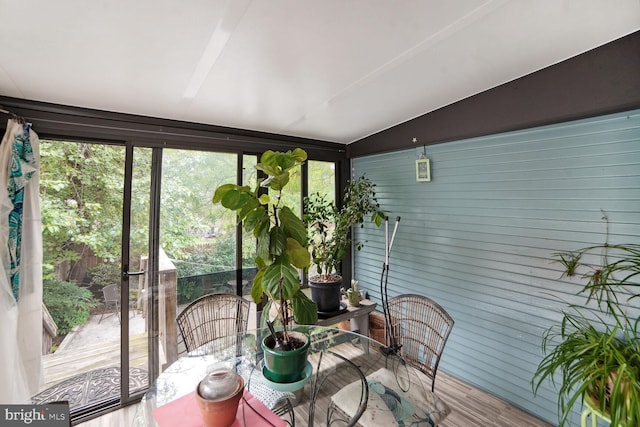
(330, 235)
(595, 349)
(352, 294)
(282, 244)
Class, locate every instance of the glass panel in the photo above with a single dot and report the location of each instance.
(292, 193)
(249, 177)
(322, 178)
(139, 322)
(81, 189)
(197, 238)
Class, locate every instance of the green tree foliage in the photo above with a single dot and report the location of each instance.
(81, 193)
(322, 179)
(105, 274)
(68, 304)
(189, 289)
(189, 179)
(217, 255)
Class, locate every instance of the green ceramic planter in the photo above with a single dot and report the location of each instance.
(285, 366)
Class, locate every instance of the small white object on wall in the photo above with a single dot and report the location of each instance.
(423, 166)
(423, 170)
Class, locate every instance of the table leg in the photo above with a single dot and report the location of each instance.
(360, 325)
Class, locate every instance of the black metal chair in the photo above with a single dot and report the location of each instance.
(111, 295)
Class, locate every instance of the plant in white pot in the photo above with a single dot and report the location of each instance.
(282, 249)
(330, 236)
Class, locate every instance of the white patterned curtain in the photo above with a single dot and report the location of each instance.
(21, 264)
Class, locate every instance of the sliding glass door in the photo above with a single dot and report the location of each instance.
(90, 310)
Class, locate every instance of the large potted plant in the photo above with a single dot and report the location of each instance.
(282, 249)
(330, 235)
(594, 352)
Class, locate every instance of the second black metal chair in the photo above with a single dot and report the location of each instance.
(421, 327)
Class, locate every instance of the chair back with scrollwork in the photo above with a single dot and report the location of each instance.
(213, 316)
(421, 327)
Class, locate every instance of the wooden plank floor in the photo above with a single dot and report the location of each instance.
(470, 407)
(120, 418)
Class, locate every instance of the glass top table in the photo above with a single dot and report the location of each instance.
(338, 360)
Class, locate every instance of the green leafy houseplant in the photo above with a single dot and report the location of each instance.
(595, 349)
(281, 238)
(330, 227)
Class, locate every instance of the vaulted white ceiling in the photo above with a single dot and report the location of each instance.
(335, 70)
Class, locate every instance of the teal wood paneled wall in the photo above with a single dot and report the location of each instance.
(479, 237)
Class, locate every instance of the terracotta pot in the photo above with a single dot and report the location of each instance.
(220, 410)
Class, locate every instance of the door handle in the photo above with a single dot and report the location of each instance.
(126, 274)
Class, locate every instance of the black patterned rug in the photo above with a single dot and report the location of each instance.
(92, 387)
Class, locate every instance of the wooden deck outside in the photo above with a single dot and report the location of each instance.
(63, 365)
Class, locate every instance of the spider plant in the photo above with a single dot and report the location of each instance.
(595, 349)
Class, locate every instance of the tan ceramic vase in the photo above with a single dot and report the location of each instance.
(218, 396)
(353, 297)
